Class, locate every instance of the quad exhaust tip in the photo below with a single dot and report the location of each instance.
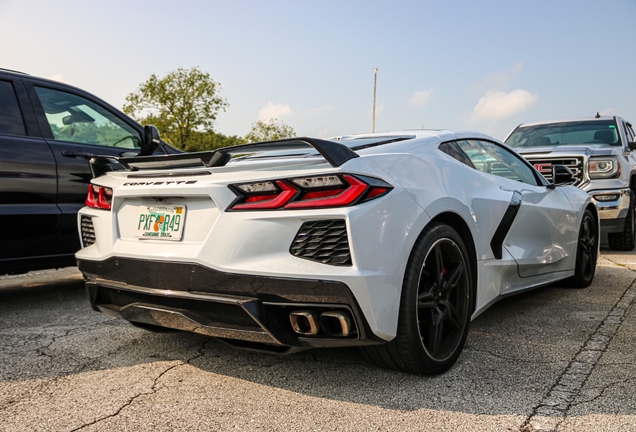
(336, 323)
(305, 322)
(308, 323)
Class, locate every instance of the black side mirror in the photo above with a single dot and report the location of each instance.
(151, 140)
(561, 175)
(631, 145)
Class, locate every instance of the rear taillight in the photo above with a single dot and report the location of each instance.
(99, 197)
(331, 190)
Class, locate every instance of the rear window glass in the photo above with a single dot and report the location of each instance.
(10, 115)
(583, 132)
(300, 148)
(362, 142)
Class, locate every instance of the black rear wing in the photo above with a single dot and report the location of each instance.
(335, 153)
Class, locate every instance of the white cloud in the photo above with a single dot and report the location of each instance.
(497, 105)
(57, 77)
(273, 111)
(607, 112)
(500, 80)
(420, 98)
(379, 108)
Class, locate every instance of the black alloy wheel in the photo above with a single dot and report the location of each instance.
(586, 253)
(442, 300)
(436, 305)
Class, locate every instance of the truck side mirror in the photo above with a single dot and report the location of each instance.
(561, 175)
(631, 145)
(151, 140)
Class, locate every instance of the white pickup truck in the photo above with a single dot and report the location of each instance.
(600, 153)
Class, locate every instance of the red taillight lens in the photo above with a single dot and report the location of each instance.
(308, 192)
(269, 201)
(99, 197)
(346, 197)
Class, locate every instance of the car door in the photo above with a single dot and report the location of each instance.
(29, 217)
(540, 229)
(78, 126)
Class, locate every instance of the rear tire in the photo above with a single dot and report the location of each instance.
(436, 305)
(586, 252)
(625, 241)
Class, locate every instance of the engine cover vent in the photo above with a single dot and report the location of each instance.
(88, 231)
(324, 241)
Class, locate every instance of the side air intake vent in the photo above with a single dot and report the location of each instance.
(88, 232)
(323, 241)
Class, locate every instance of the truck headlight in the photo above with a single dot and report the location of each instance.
(603, 168)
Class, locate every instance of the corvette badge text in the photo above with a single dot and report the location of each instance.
(176, 182)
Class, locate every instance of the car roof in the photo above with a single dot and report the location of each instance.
(443, 134)
(12, 71)
(570, 120)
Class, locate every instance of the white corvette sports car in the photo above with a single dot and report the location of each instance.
(389, 241)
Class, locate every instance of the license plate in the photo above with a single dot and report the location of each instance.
(161, 222)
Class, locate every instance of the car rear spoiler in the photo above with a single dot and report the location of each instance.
(335, 153)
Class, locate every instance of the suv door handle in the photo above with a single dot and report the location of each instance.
(76, 154)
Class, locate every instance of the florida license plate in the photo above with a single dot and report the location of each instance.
(161, 222)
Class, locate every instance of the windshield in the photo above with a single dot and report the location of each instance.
(557, 134)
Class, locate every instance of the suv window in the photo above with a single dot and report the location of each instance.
(10, 115)
(76, 119)
(554, 134)
(493, 159)
(630, 132)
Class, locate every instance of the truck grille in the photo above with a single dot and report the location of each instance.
(88, 232)
(543, 165)
(324, 241)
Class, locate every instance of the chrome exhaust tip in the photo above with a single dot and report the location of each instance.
(336, 323)
(305, 322)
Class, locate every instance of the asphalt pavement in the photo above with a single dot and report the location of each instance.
(556, 359)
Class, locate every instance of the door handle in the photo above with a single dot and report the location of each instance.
(77, 154)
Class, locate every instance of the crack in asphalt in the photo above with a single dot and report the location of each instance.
(601, 392)
(153, 389)
(553, 409)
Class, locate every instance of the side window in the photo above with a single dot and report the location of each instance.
(493, 159)
(76, 119)
(630, 132)
(452, 149)
(11, 121)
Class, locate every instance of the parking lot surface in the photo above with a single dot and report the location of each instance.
(556, 359)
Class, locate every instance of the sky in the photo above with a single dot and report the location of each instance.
(484, 65)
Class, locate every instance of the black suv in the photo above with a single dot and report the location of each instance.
(48, 133)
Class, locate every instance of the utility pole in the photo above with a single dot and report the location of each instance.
(375, 82)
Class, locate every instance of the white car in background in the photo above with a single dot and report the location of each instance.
(392, 241)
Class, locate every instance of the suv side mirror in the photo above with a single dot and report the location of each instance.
(561, 175)
(151, 140)
(631, 145)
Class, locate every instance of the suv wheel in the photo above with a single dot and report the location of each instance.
(624, 241)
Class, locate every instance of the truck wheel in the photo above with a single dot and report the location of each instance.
(624, 241)
(586, 253)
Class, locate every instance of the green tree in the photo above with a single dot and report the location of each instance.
(268, 131)
(211, 140)
(181, 104)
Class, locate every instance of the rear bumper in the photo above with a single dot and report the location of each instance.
(249, 310)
